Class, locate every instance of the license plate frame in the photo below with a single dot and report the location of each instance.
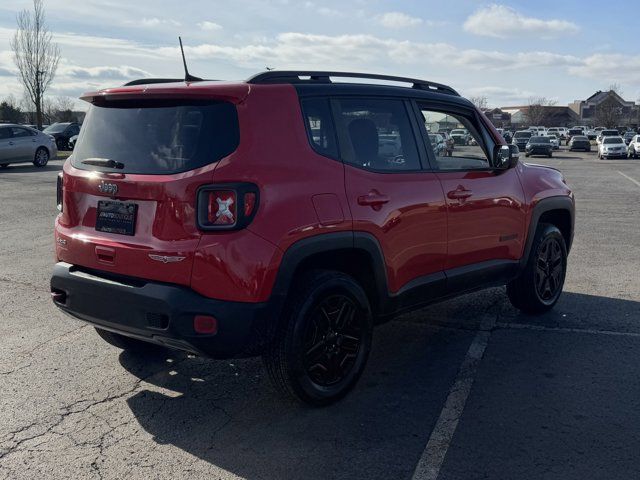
(116, 217)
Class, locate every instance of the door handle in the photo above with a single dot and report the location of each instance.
(459, 193)
(373, 199)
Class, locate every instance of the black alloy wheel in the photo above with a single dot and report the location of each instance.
(549, 270)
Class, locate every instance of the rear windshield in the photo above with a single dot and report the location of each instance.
(523, 134)
(157, 137)
(540, 140)
(575, 130)
(56, 128)
(609, 133)
(612, 140)
(580, 138)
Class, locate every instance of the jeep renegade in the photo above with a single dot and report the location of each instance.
(286, 215)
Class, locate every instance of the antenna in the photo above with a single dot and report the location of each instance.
(187, 76)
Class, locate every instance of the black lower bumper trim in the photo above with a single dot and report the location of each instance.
(160, 313)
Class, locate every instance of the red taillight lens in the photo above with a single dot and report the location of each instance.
(227, 206)
(222, 207)
(249, 203)
(205, 324)
(60, 191)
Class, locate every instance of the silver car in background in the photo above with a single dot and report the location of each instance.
(21, 144)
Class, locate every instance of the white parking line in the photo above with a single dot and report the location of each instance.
(434, 453)
(524, 326)
(629, 178)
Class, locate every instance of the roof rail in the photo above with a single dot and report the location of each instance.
(149, 81)
(295, 76)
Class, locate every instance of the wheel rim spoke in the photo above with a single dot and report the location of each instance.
(332, 340)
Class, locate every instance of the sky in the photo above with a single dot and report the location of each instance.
(507, 51)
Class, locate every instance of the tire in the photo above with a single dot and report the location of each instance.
(5, 165)
(128, 344)
(550, 155)
(41, 158)
(538, 287)
(526, 155)
(328, 314)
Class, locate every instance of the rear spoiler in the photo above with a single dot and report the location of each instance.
(234, 92)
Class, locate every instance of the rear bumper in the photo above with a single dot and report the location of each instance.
(160, 313)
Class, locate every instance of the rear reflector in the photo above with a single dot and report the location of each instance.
(205, 324)
(59, 190)
(222, 207)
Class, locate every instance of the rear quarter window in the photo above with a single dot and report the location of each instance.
(158, 137)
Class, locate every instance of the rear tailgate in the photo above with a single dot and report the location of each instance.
(165, 236)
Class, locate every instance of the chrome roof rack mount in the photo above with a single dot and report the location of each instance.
(305, 77)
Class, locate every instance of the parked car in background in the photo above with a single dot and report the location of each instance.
(612, 147)
(449, 143)
(508, 136)
(633, 149)
(62, 132)
(460, 136)
(607, 133)
(539, 145)
(20, 144)
(559, 132)
(579, 142)
(437, 143)
(72, 142)
(555, 141)
(628, 136)
(574, 131)
(521, 138)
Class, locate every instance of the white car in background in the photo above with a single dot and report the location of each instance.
(555, 141)
(612, 147)
(22, 144)
(633, 150)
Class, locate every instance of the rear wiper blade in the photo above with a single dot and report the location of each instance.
(103, 162)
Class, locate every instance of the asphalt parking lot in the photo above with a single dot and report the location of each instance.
(554, 397)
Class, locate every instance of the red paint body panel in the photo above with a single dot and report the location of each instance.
(490, 223)
(411, 228)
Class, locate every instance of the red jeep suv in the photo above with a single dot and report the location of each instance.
(286, 215)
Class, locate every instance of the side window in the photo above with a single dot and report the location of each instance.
(5, 133)
(319, 125)
(20, 132)
(376, 134)
(462, 147)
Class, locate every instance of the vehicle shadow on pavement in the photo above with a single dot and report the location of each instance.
(227, 414)
(28, 168)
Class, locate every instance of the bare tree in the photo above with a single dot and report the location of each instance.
(35, 55)
(61, 109)
(480, 101)
(615, 87)
(609, 112)
(537, 111)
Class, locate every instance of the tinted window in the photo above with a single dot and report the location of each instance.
(580, 138)
(575, 131)
(465, 152)
(610, 133)
(5, 132)
(320, 129)
(56, 128)
(376, 134)
(157, 137)
(540, 140)
(612, 140)
(21, 132)
(522, 135)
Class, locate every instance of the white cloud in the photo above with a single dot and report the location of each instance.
(153, 22)
(398, 20)
(122, 72)
(599, 66)
(209, 26)
(501, 21)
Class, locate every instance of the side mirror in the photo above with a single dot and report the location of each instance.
(505, 156)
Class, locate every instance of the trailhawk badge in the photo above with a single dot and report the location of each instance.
(165, 258)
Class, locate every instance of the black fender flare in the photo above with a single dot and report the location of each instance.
(559, 202)
(303, 249)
